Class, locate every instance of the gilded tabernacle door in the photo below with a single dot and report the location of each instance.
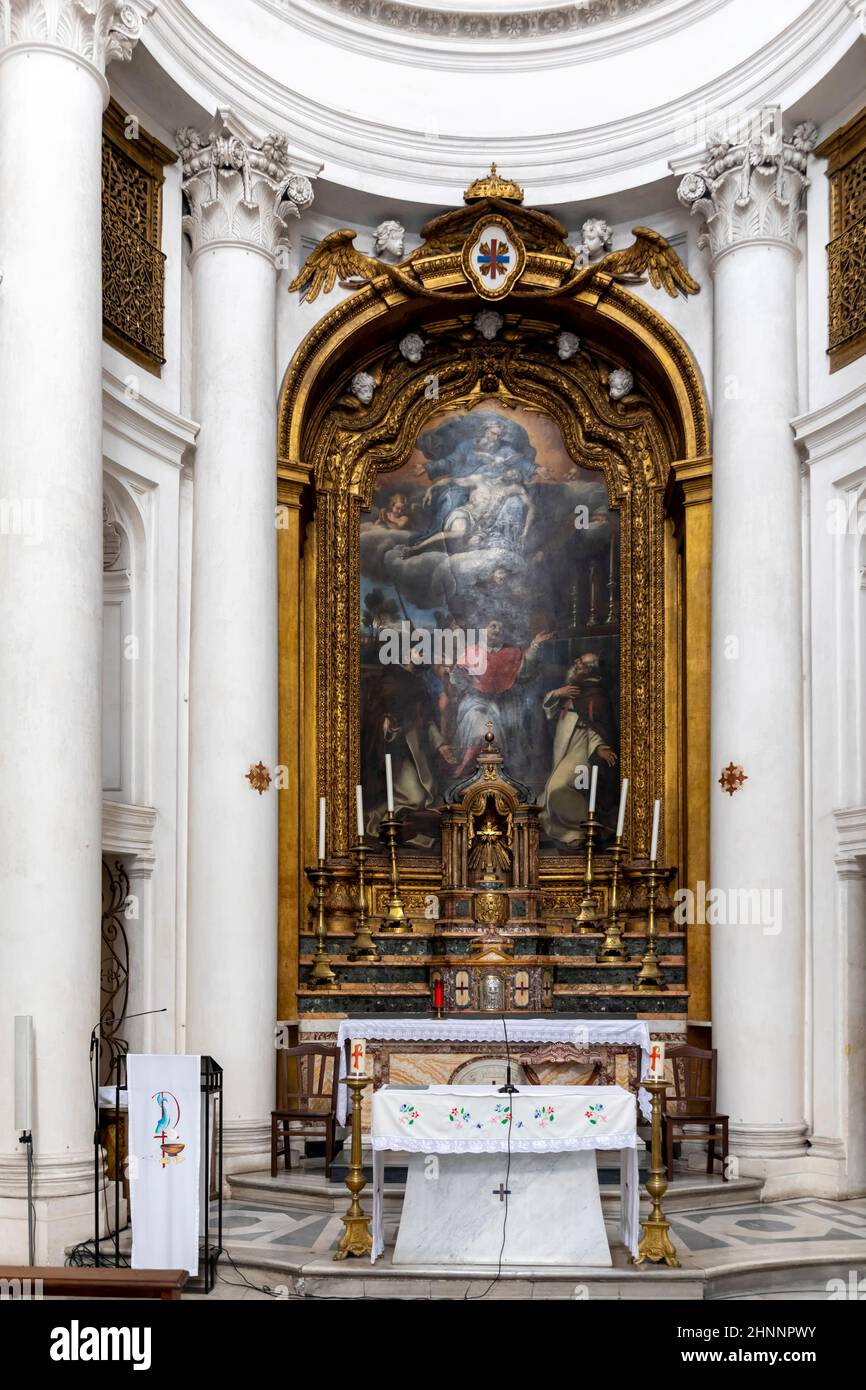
(489, 520)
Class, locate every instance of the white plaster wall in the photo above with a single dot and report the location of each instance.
(148, 442)
(833, 441)
(143, 451)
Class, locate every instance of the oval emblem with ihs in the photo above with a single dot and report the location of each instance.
(493, 257)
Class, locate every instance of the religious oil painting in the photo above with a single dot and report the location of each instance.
(490, 599)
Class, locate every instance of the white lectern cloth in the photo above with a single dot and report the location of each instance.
(475, 1119)
(164, 1179)
(580, 1033)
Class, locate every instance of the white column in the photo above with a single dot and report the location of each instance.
(52, 94)
(751, 197)
(239, 191)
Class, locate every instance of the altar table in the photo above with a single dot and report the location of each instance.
(566, 1122)
(578, 1032)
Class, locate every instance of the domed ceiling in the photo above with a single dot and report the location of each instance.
(407, 99)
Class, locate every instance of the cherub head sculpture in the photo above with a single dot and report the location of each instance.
(619, 383)
(388, 240)
(597, 237)
(488, 323)
(363, 387)
(412, 347)
(567, 345)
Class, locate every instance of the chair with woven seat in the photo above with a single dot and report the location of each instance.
(690, 1114)
(310, 1100)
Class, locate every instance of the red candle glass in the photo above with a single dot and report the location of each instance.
(438, 994)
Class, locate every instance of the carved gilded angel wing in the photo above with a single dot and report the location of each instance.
(651, 255)
(335, 258)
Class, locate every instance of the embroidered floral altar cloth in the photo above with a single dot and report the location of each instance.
(579, 1032)
(480, 1119)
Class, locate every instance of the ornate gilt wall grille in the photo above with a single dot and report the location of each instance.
(133, 264)
(845, 152)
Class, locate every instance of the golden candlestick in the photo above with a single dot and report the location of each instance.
(356, 1239)
(587, 917)
(395, 919)
(363, 946)
(614, 947)
(650, 975)
(656, 1244)
(321, 975)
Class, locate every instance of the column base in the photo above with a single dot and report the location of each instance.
(776, 1153)
(62, 1205)
(246, 1145)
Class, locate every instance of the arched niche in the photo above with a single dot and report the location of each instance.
(651, 449)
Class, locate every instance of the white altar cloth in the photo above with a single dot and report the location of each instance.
(580, 1033)
(481, 1120)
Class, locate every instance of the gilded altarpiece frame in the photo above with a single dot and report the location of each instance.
(652, 450)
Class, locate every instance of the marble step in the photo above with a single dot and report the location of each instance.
(308, 1189)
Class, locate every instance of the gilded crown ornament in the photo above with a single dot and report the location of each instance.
(493, 185)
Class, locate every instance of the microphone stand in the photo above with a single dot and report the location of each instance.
(508, 1089)
(96, 1041)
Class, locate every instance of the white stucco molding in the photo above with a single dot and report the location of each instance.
(130, 417)
(397, 160)
(851, 835)
(130, 831)
(509, 37)
(832, 428)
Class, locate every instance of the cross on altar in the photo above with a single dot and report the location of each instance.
(502, 1192)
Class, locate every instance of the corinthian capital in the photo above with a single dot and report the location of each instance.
(752, 190)
(239, 188)
(98, 30)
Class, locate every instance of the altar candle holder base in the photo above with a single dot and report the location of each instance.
(356, 1239)
(614, 947)
(650, 975)
(395, 919)
(588, 913)
(656, 1245)
(321, 975)
(363, 946)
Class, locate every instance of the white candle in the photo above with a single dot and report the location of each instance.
(358, 1057)
(321, 827)
(656, 1061)
(389, 781)
(359, 806)
(593, 787)
(623, 794)
(655, 840)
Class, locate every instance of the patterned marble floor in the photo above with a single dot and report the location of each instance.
(780, 1250)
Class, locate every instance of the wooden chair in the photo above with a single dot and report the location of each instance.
(310, 1099)
(690, 1114)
